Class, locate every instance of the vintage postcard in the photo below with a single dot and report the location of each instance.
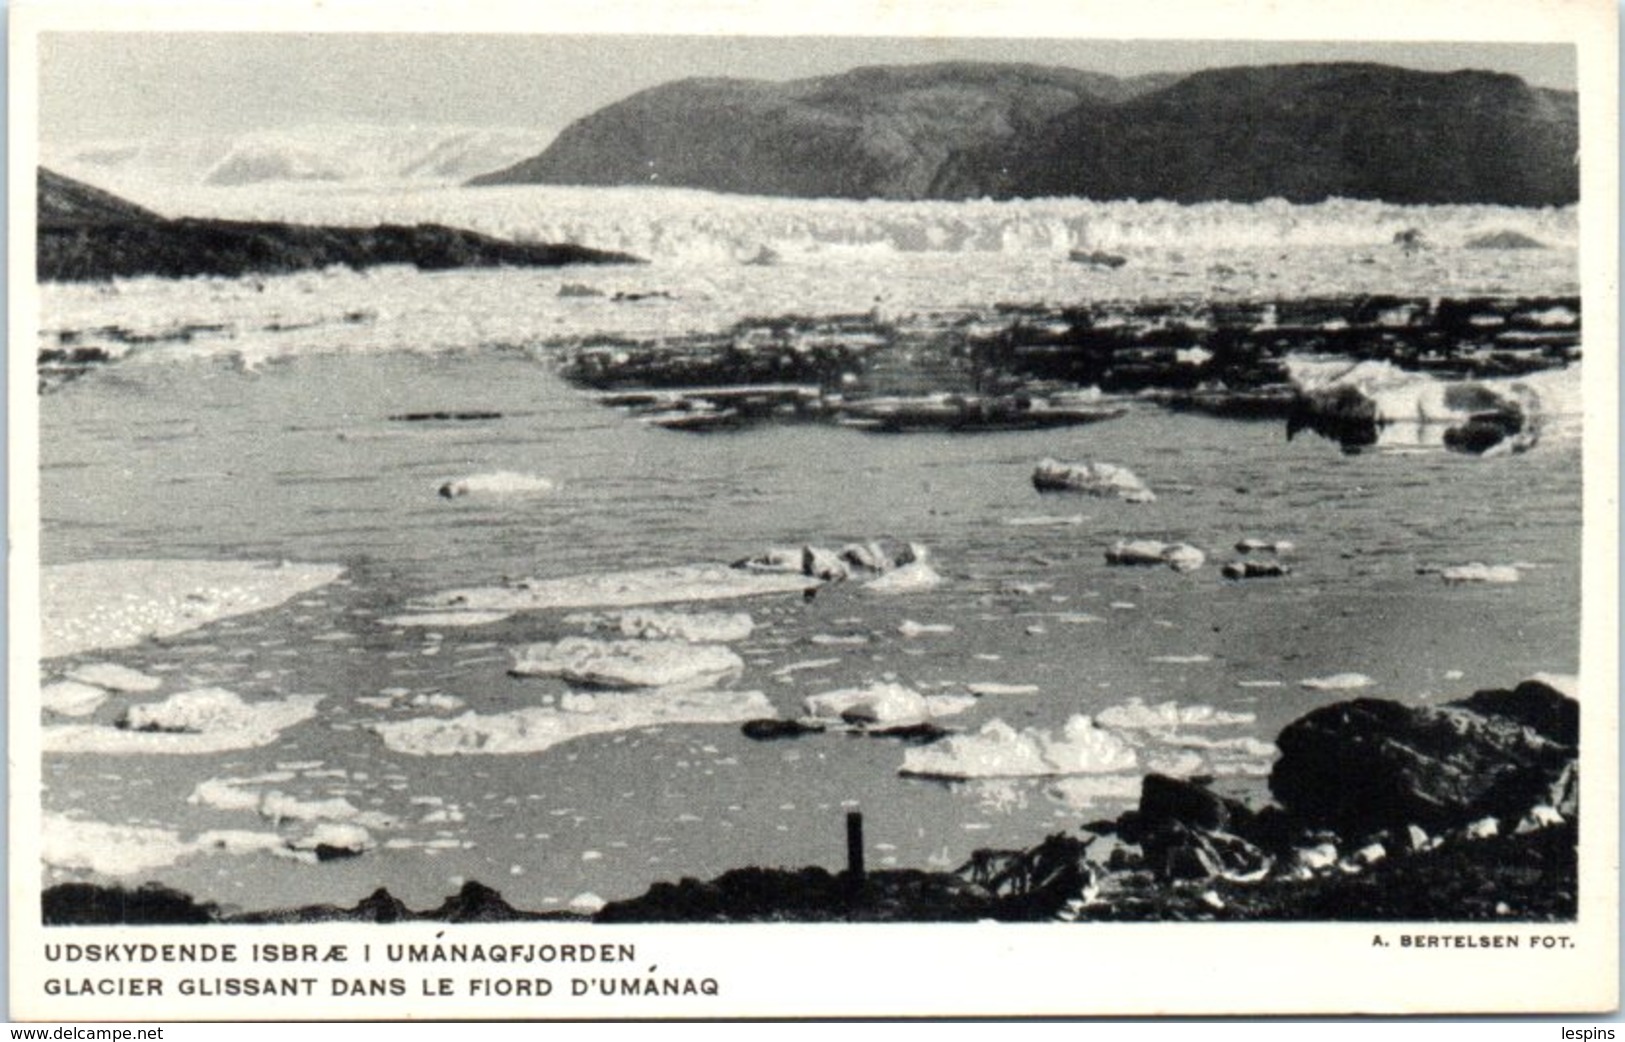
(707, 509)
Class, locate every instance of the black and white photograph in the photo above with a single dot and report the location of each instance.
(531, 489)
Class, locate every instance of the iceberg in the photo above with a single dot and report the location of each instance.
(1000, 751)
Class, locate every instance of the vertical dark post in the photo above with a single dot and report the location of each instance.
(854, 848)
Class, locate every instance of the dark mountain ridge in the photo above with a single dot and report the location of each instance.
(881, 131)
(960, 130)
(86, 234)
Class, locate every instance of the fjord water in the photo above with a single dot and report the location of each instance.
(266, 436)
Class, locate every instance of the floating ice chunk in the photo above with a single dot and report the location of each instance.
(910, 578)
(540, 728)
(695, 627)
(437, 700)
(280, 807)
(1046, 521)
(887, 704)
(587, 903)
(1478, 572)
(1175, 763)
(224, 794)
(337, 836)
(70, 698)
(209, 720)
(115, 677)
(805, 664)
(1263, 546)
(446, 618)
(628, 663)
(1000, 751)
(1181, 557)
(701, 582)
(1083, 792)
(101, 605)
(111, 850)
(1002, 689)
(1096, 479)
(496, 483)
(1135, 714)
(1338, 682)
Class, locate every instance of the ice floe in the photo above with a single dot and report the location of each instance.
(1046, 521)
(77, 844)
(1337, 682)
(446, 618)
(910, 628)
(1096, 479)
(700, 582)
(1181, 557)
(101, 605)
(540, 728)
(886, 704)
(496, 483)
(1135, 714)
(913, 577)
(628, 663)
(208, 720)
(71, 698)
(1478, 572)
(114, 677)
(646, 624)
(1002, 689)
(1000, 751)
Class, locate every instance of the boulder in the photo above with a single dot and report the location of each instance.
(1095, 479)
(1363, 765)
(1165, 800)
(1543, 703)
(773, 728)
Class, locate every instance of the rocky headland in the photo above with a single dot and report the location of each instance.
(86, 234)
(1377, 810)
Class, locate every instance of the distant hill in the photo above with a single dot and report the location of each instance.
(964, 130)
(62, 200)
(87, 234)
(1308, 132)
(882, 132)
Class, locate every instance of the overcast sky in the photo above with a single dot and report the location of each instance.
(126, 85)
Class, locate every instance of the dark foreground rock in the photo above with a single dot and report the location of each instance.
(1370, 764)
(1462, 812)
(86, 234)
(91, 904)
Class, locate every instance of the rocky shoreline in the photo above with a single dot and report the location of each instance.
(1466, 811)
